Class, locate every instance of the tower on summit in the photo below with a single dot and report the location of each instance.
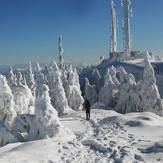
(60, 51)
(126, 4)
(113, 28)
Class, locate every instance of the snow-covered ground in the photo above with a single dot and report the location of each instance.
(108, 137)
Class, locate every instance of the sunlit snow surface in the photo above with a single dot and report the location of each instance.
(108, 137)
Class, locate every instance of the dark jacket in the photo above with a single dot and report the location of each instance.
(87, 106)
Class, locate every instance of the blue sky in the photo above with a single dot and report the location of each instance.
(29, 29)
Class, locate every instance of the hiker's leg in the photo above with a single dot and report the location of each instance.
(86, 116)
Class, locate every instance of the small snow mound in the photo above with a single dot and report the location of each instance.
(134, 124)
(95, 145)
(108, 120)
(156, 148)
(145, 118)
(6, 136)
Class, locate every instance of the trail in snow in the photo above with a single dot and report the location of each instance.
(106, 142)
(108, 137)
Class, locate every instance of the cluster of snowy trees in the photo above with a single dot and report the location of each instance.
(32, 99)
(123, 94)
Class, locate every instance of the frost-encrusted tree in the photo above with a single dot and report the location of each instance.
(150, 97)
(24, 100)
(133, 102)
(126, 100)
(30, 79)
(40, 79)
(46, 115)
(113, 73)
(60, 100)
(12, 79)
(75, 100)
(20, 79)
(57, 93)
(24, 82)
(96, 79)
(65, 80)
(56, 71)
(7, 112)
(106, 95)
(90, 92)
(37, 68)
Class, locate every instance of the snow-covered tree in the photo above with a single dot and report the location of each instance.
(65, 80)
(90, 92)
(75, 99)
(40, 79)
(60, 100)
(126, 100)
(107, 92)
(113, 73)
(24, 100)
(24, 82)
(46, 115)
(150, 97)
(57, 93)
(96, 79)
(30, 79)
(7, 112)
(12, 79)
(37, 68)
(20, 79)
(56, 72)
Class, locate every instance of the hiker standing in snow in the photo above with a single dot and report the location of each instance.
(87, 109)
